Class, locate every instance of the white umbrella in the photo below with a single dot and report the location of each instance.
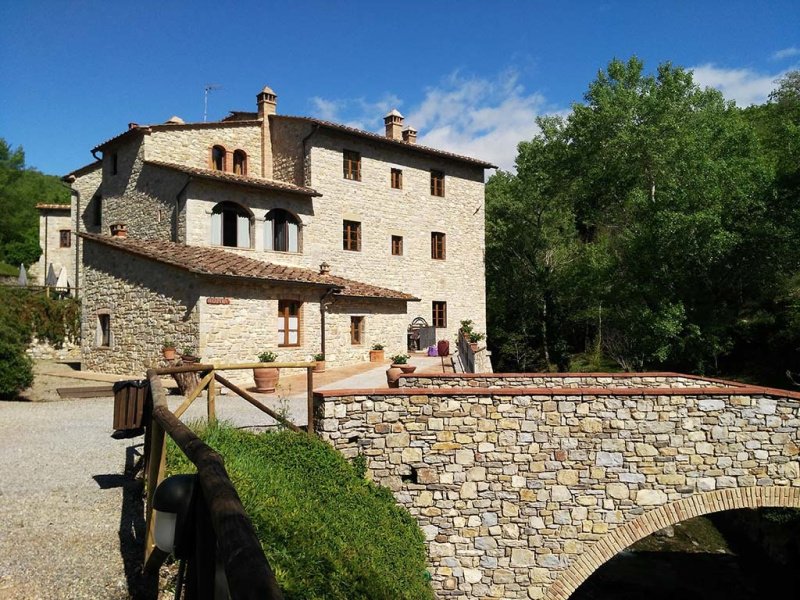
(61, 282)
(51, 276)
(23, 276)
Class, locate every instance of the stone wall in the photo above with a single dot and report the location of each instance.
(522, 493)
(288, 156)
(560, 380)
(191, 145)
(51, 223)
(146, 305)
(44, 350)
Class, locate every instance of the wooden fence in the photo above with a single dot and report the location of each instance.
(224, 531)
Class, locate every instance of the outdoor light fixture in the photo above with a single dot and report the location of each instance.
(172, 503)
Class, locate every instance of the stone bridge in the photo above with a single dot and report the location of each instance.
(525, 484)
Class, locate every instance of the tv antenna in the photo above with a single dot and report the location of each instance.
(208, 88)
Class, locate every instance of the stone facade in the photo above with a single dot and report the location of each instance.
(524, 492)
(52, 222)
(150, 305)
(172, 203)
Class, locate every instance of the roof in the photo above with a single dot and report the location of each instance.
(135, 129)
(383, 139)
(256, 182)
(53, 207)
(216, 262)
(82, 170)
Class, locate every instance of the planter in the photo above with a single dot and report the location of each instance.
(407, 368)
(266, 378)
(392, 375)
(169, 353)
(376, 356)
(474, 346)
(319, 366)
(188, 359)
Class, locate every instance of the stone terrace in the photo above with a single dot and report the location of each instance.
(522, 492)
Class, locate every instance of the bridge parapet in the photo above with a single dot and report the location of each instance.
(523, 492)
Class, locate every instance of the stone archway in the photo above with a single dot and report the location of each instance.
(696, 505)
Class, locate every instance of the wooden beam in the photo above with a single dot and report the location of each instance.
(235, 388)
(194, 394)
(97, 391)
(211, 401)
(310, 399)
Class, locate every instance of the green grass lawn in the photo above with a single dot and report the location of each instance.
(8, 270)
(327, 532)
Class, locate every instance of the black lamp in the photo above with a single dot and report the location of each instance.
(172, 502)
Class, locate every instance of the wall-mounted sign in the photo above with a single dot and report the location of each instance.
(218, 300)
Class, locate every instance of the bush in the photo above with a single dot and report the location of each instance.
(16, 372)
(327, 532)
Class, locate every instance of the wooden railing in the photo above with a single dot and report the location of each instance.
(224, 530)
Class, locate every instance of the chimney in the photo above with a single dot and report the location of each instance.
(410, 135)
(267, 102)
(119, 230)
(324, 269)
(394, 123)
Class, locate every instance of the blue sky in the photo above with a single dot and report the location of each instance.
(470, 76)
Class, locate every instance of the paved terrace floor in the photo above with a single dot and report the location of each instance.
(70, 516)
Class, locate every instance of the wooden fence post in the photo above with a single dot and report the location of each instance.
(310, 399)
(211, 397)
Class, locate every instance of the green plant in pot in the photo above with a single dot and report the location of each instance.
(376, 354)
(168, 349)
(189, 355)
(401, 361)
(266, 378)
(319, 359)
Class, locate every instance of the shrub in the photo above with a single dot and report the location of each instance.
(377, 346)
(16, 372)
(327, 532)
(267, 357)
(399, 359)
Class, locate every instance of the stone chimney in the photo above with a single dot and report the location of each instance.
(394, 124)
(267, 102)
(410, 135)
(324, 269)
(267, 105)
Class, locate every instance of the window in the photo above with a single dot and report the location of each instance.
(240, 162)
(397, 245)
(218, 158)
(230, 225)
(289, 323)
(438, 245)
(351, 165)
(356, 330)
(64, 238)
(437, 183)
(351, 236)
(104, 330)
(397, 179)
(96, 204)
(281, 231)
(114, 164)
(439, 314)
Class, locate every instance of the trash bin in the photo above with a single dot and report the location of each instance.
(129, 400)
(443, 348)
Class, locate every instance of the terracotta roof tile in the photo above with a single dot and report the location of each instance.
(380, 138)
(220, 263)
(257, 182)
(53, 207)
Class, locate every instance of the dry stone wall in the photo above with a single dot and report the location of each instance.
(560, 380)
(519, 491)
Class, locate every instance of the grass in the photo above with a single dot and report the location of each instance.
(7, 270)
(327, 532)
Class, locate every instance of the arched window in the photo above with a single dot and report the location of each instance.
(240, 162)
(281, 232)
(230, 225)
(218, 158)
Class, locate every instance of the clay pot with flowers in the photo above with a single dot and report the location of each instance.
(266, 378)
(319, 360)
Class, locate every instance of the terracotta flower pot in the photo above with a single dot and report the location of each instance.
(392, 375)
(266, 378)
(169, 353)
(407, 368)
(376, 356)
(319, 366)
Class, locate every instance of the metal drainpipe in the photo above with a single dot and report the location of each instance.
(322, 305)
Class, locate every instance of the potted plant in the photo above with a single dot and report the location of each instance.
(401, 361)
(168, 349)
(189, 355)
(266, 378)
(474, 337)
(319, 359)
(376, 354)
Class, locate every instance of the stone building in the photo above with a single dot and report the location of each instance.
(56, 265)
(270, 232)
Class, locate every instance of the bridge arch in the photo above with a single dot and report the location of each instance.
(696, 505)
